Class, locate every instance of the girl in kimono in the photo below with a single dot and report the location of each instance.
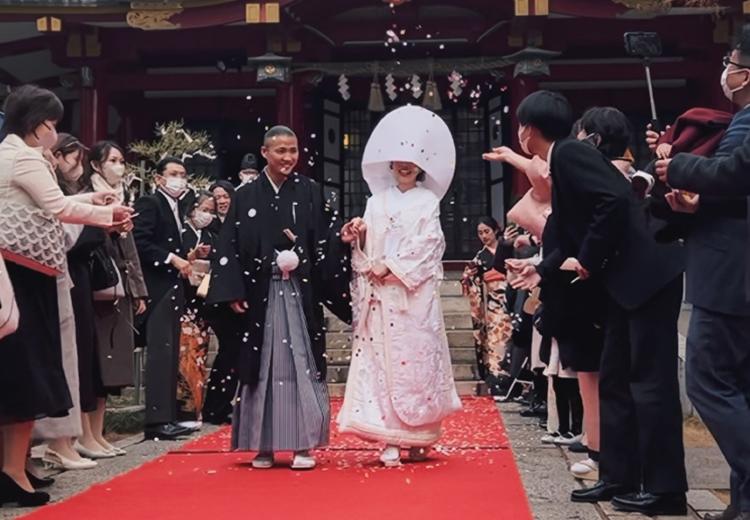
(485, 286)
(400, 385)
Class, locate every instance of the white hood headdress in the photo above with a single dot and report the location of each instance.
(410, 134)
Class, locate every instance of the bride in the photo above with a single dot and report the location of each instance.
(400, 384)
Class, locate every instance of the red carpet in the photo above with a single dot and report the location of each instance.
(470, 475)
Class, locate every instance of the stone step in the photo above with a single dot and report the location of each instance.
(467, 388)
(461, 372)
(126, 419)
(456, 339)
(343, 356)
(453, 321)
(126, 398)
(464, 388)
(453, 304)
(451, 288)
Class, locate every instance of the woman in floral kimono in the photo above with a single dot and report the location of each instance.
(485, 287)
(400, 383)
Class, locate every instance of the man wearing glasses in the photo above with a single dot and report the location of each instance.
(718, 280)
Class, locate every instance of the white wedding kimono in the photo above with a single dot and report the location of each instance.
(400, 383)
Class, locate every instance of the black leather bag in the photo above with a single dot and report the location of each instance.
(104, 273)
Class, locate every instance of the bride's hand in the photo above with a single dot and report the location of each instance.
(348, 234)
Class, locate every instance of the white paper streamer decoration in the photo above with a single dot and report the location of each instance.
(410, 134)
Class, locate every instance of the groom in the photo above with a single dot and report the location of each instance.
(282, 402)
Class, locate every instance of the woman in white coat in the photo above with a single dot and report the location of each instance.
(400, 385)
(32, 380)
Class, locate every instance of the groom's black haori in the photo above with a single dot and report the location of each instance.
(242, 270)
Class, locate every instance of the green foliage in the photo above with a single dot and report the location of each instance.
(172, 139)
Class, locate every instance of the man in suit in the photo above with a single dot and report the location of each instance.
(601, 232)
(718, 345)
(158, 237)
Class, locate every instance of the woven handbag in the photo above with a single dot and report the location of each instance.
(32, 237)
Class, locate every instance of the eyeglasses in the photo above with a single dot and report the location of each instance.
(727, 61)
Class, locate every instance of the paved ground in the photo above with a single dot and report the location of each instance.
(544, 470)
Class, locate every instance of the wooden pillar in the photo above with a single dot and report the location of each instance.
(520, 87)
(94, 107)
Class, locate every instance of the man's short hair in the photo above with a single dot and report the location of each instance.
(166, 161)
(278, 131)
(548, 112)
(743, 43)
(612, 127)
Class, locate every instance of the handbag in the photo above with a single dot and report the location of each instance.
(9, 314)
(106, 281)
(32, 238)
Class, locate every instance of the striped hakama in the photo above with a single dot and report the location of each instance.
(288, 410)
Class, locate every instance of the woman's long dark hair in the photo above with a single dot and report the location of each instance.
(491, 223)
(98, 154)
(66, 145)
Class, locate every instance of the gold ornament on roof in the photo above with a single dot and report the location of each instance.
(153, 16)
(663, 5)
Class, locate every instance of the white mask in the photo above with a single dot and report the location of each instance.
(175, 186)
(523, 142)
(729, 92)
(202, 219)
(113, 173)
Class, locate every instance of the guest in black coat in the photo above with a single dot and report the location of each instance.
(602, 233)
(222, 382)
(158, 238)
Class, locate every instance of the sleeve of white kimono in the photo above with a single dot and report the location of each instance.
(419, 256)
(360, 261)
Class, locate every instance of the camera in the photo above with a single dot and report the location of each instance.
(643, 44)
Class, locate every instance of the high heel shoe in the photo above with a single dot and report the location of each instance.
(53, 460)
(117, 451)
(11, 492)
(39, 482)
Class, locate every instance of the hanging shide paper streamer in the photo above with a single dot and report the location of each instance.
(344, 88)
(416, 86)
(390, 87)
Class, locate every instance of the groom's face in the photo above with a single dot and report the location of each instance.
(281, 152)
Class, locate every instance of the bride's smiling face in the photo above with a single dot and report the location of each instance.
(405, 173)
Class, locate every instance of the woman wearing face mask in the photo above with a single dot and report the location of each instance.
(77, 331)
(198, 239)
(32, 380)
(113, 310)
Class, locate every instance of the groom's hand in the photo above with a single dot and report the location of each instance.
(239, 307)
